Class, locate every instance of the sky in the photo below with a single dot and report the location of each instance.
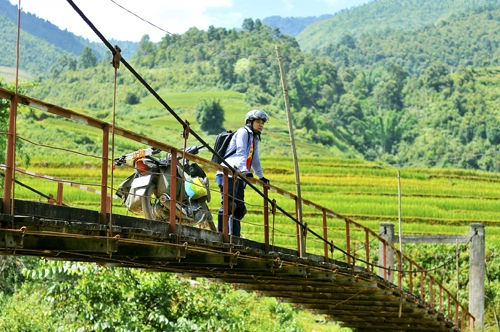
(170, 16)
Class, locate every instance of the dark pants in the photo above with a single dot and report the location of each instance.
(238, 209)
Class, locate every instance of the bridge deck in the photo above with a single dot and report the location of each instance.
(350, 295)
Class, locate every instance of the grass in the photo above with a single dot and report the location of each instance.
(430, 204)
(152, 120)
(434, 201)
(9, 73)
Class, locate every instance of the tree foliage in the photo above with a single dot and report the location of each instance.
(87, 59)
(383, 16)
(210, 114)
(87, 297)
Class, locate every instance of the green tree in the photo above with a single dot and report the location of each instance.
(87, 59)
(305, 119)
(87, 297)
(436, 77)
(387, 95)
(132, 98)
(145, 55)
(248, 25)
(210, 115)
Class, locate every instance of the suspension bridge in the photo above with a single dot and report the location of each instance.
(363, 282)
(355, 289)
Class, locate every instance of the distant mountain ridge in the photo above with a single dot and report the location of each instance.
(292, 25)
(466, 39)
(43, 29)
(380, 15)
(46, 31)
(36, 55)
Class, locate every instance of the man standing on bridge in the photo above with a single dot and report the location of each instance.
(243, 154)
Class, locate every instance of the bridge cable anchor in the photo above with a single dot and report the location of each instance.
(115, 61)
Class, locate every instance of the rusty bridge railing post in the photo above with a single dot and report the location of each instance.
(59, 198)
(225, 206)
(325, 235)
(440, 298)
(266, 216)
(173, 190)
(104, 175)
(348, 241)
(367, 249)
(422, 293)
(298, 228)
(431, 293)
(10, 163)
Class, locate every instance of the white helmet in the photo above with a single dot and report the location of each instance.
(256, 114)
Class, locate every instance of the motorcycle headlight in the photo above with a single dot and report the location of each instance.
(141, 167)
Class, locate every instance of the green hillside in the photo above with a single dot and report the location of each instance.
(377, 16)
(426, 96)
(37, 34)
(465, 39)
(382, 113)
(36, 55)
(9, 73)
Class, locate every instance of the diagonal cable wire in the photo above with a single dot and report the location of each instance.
(176, 116)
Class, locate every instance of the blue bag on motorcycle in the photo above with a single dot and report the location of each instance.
(195, 188)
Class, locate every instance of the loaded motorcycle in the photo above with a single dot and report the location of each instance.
(147, 191)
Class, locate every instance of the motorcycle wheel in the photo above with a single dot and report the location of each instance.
(212, 225)
(210, 219)
(148, 201)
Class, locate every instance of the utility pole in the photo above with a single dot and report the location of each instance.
(302, 242)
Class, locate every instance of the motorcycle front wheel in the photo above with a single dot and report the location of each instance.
(148, 202)
(210, 220)
(153, 210)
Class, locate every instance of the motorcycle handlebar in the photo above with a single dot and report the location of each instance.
(194, 149)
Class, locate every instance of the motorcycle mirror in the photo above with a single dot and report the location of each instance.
(155, 150)
(192, 149)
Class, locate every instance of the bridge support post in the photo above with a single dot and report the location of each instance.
(476, 275)
(104, 177)
(10, 161)
(386, 254)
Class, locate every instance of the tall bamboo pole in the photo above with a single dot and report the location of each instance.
(399, 215)
(302, 244)
(10, 170)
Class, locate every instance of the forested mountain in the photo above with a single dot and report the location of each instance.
(49, 37)
(379, 15)
(36, 55)
(292, 25)
(464, 39)
(389, 111)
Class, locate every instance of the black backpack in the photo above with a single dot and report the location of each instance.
(221, 143)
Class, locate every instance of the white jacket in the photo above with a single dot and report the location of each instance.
(241, 143)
